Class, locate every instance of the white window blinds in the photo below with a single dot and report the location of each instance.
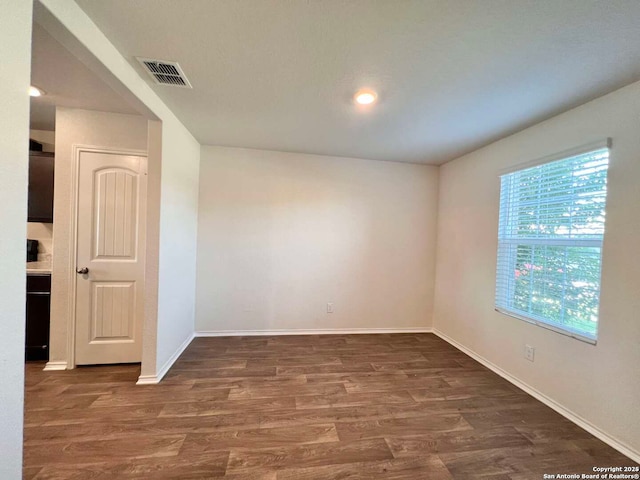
(552, 219)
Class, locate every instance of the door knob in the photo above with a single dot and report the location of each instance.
(82, 271)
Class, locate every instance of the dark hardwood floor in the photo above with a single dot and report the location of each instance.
(300, 408)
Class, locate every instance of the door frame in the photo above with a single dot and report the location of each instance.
(78, 149)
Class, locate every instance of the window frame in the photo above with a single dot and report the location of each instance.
(532, 318)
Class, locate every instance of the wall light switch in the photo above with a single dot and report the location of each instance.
(329, 307)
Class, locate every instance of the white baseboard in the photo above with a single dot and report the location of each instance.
(148, 380)
(565, 412)
(155, 379)
(318, 331)
(55, 366)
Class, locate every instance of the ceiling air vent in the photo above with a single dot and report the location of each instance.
(165, 73)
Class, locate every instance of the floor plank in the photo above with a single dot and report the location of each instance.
(211, 466)
(219, 407)
(401, 426)
(314, 455)
(103, 450)
(457, 441)
(353, 399)
(419, 467)
(258, 438)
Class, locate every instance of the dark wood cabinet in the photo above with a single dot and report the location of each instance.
(38, 317)
(41, 177)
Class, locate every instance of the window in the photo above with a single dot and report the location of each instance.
(550, 242)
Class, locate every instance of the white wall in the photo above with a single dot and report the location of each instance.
(599, 383)
(180, 162)
(283, 234)
(154, 178)
(79, 127)
(15, 50)
(178, 237)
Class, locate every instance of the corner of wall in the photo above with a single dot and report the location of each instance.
(438, 241)
(15, 51)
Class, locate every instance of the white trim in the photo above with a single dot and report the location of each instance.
(572, 152)
(539, 322)
(565, 412)
(552, 242)
(314, 331)
(55, 366)
(148, 380)
(73, 238)
(155, 379)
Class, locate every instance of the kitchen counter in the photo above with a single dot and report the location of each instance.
(39, 268)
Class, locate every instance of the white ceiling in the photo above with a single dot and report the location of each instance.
(67, 82)
(452, 75)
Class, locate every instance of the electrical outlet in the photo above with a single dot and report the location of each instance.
(329, 307)
(529, 352)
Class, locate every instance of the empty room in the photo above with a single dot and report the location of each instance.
(320, 239)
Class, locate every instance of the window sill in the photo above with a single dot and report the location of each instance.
(533, 321)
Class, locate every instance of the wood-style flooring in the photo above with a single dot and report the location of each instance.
(300, 408)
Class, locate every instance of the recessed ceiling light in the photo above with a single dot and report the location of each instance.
(365, 97)
(35, 91)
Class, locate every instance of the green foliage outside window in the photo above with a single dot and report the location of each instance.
(550, 238)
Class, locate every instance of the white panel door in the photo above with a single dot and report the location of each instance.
(111, 229)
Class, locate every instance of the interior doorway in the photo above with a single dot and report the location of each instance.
(110, 229)
(98, 138)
